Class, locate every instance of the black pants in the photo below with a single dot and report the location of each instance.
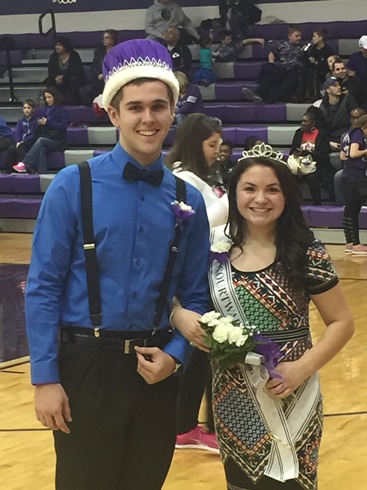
(193, 382)
(277, 84)
(123, 430)
(237, 480)
(16, 155)
(353, 202)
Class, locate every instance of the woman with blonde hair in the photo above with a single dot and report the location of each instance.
(190, 99)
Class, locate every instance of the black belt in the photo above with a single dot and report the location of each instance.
(114, 340)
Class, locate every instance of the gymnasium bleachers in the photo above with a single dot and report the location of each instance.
(88, 135)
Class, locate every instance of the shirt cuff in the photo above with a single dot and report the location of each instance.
(45, 372)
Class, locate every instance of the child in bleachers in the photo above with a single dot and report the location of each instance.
(25, 135)
(205, 76)
(228, 50)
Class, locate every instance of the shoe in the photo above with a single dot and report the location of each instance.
(249, 95)
(197, 439)
(359, 249)
(20, 167)
(348, 248)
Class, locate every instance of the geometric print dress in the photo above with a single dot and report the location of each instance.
(281, 312)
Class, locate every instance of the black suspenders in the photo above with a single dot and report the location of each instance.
(94, 295)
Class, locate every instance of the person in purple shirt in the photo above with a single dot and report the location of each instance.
(354, 155)
(190, 99)
(24, 135)
(103, 363)
(357, 63)
(50, 134)
(6, 136)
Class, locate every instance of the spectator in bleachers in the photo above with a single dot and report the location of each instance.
(50, 134)
(24, 135)
(312, 140)
(252, 141)
(357, 63)
(190, 99)
(65, 71)
(204, 75)
(278, 82)
(95, 86)
(180, 53)
(352, 85)
(229, 50)
(6, 136)
(354, 154)
(164, 14)
(238, 15)
(335, 111)
(316, 67)
(224, 164)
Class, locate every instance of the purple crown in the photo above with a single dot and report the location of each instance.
(137, 52)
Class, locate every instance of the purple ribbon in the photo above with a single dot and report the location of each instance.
(181, 215)
(271, 352)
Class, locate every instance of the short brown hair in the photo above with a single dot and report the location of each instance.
(117, 98)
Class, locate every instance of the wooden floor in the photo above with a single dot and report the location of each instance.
(26, 452)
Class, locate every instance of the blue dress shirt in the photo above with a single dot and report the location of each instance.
(133, 226)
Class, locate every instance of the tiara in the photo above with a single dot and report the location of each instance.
(263, 150)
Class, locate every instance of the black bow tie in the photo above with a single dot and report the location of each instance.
(133, 173)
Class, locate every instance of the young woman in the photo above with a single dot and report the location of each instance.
(312, 140)
(354, 155)
(95, 86)
(269, 439)
(192, 157)
(50, 134)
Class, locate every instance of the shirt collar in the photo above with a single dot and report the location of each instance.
(121, 157)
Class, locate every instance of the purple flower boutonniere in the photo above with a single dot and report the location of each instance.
(182, 212)
(220, 251)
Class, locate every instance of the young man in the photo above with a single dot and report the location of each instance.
(350, 84)
(105, 379)
(278, 82)
(335, 111)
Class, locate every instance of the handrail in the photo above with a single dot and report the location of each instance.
(6, 45)
(53, 24)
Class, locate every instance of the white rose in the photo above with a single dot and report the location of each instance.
(220, 333)
(227, 320)
(220, 247)
(242, 340)
(213, 323)
(234, 334)
(211, 315)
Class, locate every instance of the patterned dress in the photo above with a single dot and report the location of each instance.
(274, 305)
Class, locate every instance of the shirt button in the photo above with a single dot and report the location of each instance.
(135, 294)
(142, 198)
(141, 229)
(138, 262)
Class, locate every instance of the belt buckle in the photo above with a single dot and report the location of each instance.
(127, 346)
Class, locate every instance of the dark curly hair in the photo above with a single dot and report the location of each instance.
(293, 236)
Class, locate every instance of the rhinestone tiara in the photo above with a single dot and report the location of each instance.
(263, 150)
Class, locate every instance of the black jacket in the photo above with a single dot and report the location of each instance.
(181, 58)
(335, 118)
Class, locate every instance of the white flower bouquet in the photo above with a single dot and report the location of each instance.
(230, 342)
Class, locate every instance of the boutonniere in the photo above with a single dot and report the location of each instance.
(220, 250)
(182, 212)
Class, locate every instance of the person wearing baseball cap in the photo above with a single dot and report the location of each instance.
(115, 239)
(335, 109)
(357, 63)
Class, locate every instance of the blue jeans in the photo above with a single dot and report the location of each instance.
(36, 158)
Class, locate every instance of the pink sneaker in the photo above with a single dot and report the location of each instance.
(20, 167)
(359, 249)
(197, 439)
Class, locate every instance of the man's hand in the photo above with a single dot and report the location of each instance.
(154, 365)
(52, 407)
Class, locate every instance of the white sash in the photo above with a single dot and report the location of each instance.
(283, 462)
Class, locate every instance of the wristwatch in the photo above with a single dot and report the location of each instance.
(178, 366)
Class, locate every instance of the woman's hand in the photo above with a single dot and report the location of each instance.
(293, 375)
(187, 322)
